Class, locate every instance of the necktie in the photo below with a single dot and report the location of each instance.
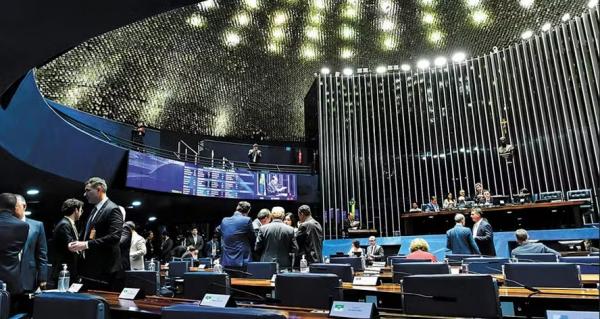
(89, 223)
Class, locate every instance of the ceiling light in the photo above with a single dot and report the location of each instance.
(252, 4)
(243, 19)
(389, 43)
(459, 57)
(347, 71)
(277, 33)
(405, 67)
(347, 32)
(423, 64)
(479, 17)
(325, 70)
(315, 18)
(592, 4)
(526, 3)
(428, 18)
(232, 39)
(435, 36)
(381, 69)
(346, 53)
(387, 25)
(440, 61)
(280, 18)
(526, 34)
(196, 20)
(320, 4)
(309, 52)
(312, 32)
(427, 2)
(208, 4)
(546, 26)
(274, 47)
(473, 3)
(151, 218)
(566, 17)
(349, 12)
(136, 203)
(27, 213)
(385, 5)
(32, 191)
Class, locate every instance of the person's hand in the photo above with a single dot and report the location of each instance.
(43, 285)
(77, 246)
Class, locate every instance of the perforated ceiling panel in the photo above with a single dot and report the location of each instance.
(225, 68)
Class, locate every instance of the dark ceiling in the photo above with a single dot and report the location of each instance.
(223, 68)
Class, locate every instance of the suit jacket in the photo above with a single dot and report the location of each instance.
(199, 244)
(310, 240)
(165, 250)
(103, 256)
(275, 242)
(13, 235)
(208, 247)
(63, 235)
(137, 252)
(460, 240)
(532, 248)
(237, 240)
(34, 260)
(485, 239)
(375, 251)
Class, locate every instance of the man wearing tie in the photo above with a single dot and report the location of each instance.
(100, 245)
(196, 241)
(65, 232)
(483, 233)
(34, 259)
(374, 251)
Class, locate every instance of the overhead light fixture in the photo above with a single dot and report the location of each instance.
(325, 70)
(592, 4)
(566, 17)
(389, 43)
(151, 218)
(196, 21)
(381, 69)
(312, 32)
(136, 203)
(473, 3)
(309, 52)
(277, 33)
(347, 32)
(526, 3)
(347, 71)
(459, 57)
(435, 36)
(387, 25)
(423, 64)
(346, 53)
(32, 192)
(546, 26)
(232, 39)
(428, 18)
(479, 17)
(427, 3)
(440, 61)
(27, 213)
(252, 4)
(280, 18)
(243, 19)
(405, 67)
(385, 5)
(526, 34)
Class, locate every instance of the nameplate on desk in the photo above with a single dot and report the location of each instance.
(215, 300)
(129, 293)
(379, 264)
(75, 288)
(378, 269)
(360, 310)
(201, 266)
(365, 281)
(371, 272)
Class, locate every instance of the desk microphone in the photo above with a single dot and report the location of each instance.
(260, 298)
(239, 271)
(102, 282)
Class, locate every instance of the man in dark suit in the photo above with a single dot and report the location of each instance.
(196, 240)
(213, 247)
(166, 246)
(13, 234)
(459, 239)
(237, 239)
(65, 232)
(34, 259)
(276, 240)
(309, 236)
(483, 233)
(100, 245)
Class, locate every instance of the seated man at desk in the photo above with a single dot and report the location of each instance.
(374, 251)
(527, 247)
(414, 208)
(433, 205)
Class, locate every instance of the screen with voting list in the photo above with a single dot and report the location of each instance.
(150, 172)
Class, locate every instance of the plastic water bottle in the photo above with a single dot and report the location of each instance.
(217, 268)
(152, 265)
(63, 279)
(303, 264)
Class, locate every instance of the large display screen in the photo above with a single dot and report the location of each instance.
(155, 173)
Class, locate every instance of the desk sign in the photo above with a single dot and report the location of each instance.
(360, 310)
(129, 293)
(215, 300)
(365, 281)
(75, 288)
(201, 266)
(378, 269)
(379, 264)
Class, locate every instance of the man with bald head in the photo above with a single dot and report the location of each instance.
(276, 241)
(460, 239)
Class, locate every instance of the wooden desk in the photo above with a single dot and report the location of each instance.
(586, 279)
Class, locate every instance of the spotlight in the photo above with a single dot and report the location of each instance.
(526, 34)
(592, 3)
(347, 71)
(325, 70)
(32, 192)
(546, 26)
(566, 17)
(423, 64)
(381, 69)
(440, 61)
(458, 57)
(405, 67)
(136, 203)
(151, 218)
(526, 3)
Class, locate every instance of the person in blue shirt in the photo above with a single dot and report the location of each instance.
(237, 240)
(433, 205)
(527, 247)
(460, 239)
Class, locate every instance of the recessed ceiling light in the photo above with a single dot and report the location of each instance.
(473, 3)
(32, 191)
(252, 4)
(381, 69)
(277, 33)
(232, 39)
(309, 52)
(405, 67)
(280, 18)
(347, 32)
(348, 71)
(479, 17)
(243, 19)
(346, 53)
(440, 61)
(526, 3)
(592, 3)
(151, 218)
(423, 64)
(566, 17)
(385, 5)
(387, 25)
(136, 203)
(459, 57)
(389, 43)
(546, 26)
(526, 34)
(196, 20)
(428, 18)
(435, 36)
(312, 32)
(325, 70)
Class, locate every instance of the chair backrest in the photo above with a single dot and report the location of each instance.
(595, 253)
(178, 268)
(409, 260)
(197, 284)
(485, 265)
(390, 259)
(355, 262)
(64, 305)
(147, 281)
(554, 275)
(429, 295)
(193, 311)
(176, 259)
(457, 259)
(343, 271)
(204, 261)
(545, 257)
(587, 264)
(308, 290)
(400, 271)
(262, 270)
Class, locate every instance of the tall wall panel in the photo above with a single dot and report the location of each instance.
(387, 140)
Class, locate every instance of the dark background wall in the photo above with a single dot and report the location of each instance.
(391, 139)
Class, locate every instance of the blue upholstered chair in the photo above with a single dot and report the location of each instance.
(51, 305)
(554, 275)
(262, 270)
(308, 290)
(400, 271)
(545, 257)
(485, 265)
(343, 271)
(355, 262)
(587, 264)
(197, 284)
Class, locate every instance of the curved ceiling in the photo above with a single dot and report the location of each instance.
(225, 68)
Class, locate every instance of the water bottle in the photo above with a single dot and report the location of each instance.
(303, 264)
(63, 279)
(152, 265)
(217, 268)
(363, 261)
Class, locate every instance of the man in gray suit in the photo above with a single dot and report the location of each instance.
(309, 236)
(34, 259)
(276, 240)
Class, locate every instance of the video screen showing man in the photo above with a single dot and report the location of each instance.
(275, 187)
